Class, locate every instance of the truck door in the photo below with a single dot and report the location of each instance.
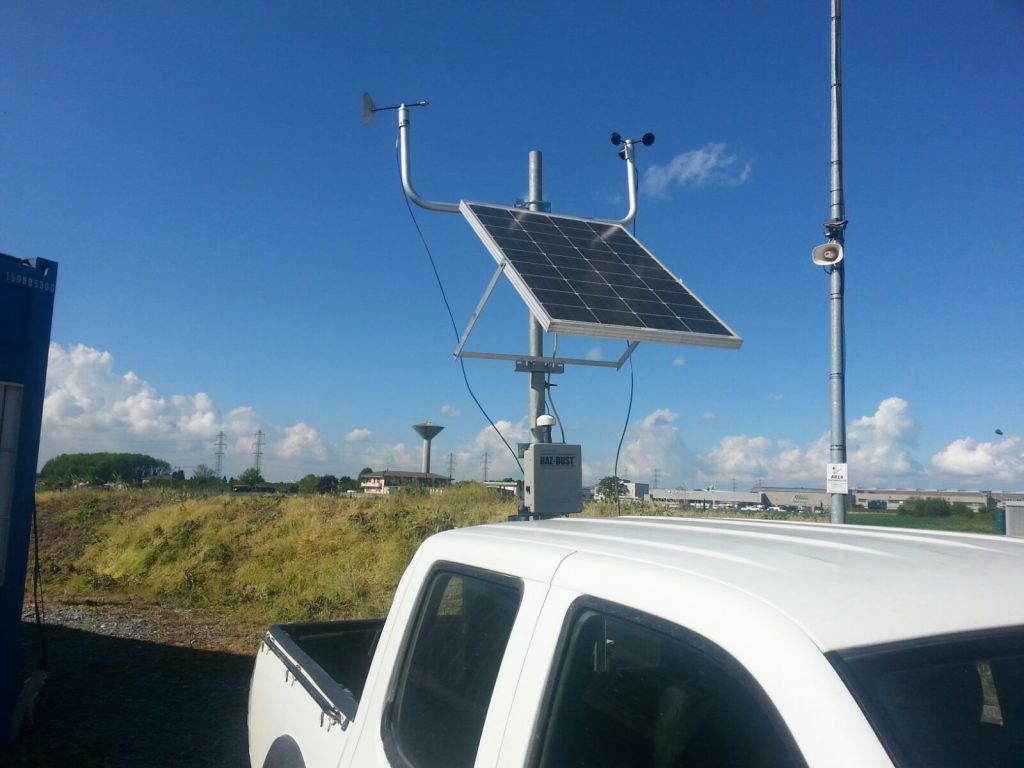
(632, 689)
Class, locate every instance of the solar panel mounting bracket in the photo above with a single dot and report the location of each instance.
(542, 205)
(479, 308)
(545, 363)
(526, 363)
(539, 365)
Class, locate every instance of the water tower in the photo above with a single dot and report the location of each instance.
(428, 432)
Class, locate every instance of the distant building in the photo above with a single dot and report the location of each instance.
(390, 480)
(706, 498)
(802, 498)
(504, 487)
(976, 500)
(164, 478)
(810, 499)
(873, 498)
(634, 492)
(1003, 497)
(1015, 518)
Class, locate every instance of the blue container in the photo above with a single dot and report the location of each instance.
(26, 309)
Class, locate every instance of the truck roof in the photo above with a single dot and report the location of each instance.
(841, 586)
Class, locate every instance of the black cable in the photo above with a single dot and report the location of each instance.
(37, 591)
(629, 410)
(551, 401)
(451, 316)
(547, 392)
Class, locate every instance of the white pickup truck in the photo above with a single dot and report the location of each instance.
(660, 642)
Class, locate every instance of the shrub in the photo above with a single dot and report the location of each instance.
(929, 507)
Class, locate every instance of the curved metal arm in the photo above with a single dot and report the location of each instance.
(435, 205)
(403, 137)
(627, 155)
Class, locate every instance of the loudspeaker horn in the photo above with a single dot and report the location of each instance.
(827, 254)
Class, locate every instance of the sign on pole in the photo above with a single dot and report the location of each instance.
(836, 479)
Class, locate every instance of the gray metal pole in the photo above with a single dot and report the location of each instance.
(536, 402)
(836, 230)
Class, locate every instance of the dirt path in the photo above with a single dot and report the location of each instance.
(136, 685)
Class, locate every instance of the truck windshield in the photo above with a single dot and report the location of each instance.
(944, 702)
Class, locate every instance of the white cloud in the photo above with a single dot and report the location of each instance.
(1002, 461)
(878, 445)
(653, 443)
(595, 353)
(89, 406)
(649, 444)
(240, 426)
(451, 411)
(741, 455)
(776, 398)
(299, 441)
(707, 416)
(84, 392)
(469, 458)
(391, 456)
(511, 431)
(710, 165)
(198, 416)
(877, 452)
(679, 362)
(358, 435)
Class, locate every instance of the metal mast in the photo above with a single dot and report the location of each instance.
(536, 401)
(835, 228)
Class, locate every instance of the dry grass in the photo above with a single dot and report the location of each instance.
(259, 558)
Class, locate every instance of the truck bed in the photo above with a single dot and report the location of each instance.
(334, 655)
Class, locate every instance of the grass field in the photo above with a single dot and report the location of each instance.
(266, 558)
(979, 523)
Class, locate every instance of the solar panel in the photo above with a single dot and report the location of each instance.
(591, 278)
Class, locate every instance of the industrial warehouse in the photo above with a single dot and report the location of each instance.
(810, 499)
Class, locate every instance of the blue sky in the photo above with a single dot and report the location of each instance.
(236, 254)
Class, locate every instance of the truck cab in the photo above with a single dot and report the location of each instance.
(662, 642)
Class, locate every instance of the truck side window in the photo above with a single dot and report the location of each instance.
(632, 691)
(451, 661)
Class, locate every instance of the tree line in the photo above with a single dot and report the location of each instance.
(132, 469)
(101, 468)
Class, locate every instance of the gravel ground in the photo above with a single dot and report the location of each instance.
(135, 685)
